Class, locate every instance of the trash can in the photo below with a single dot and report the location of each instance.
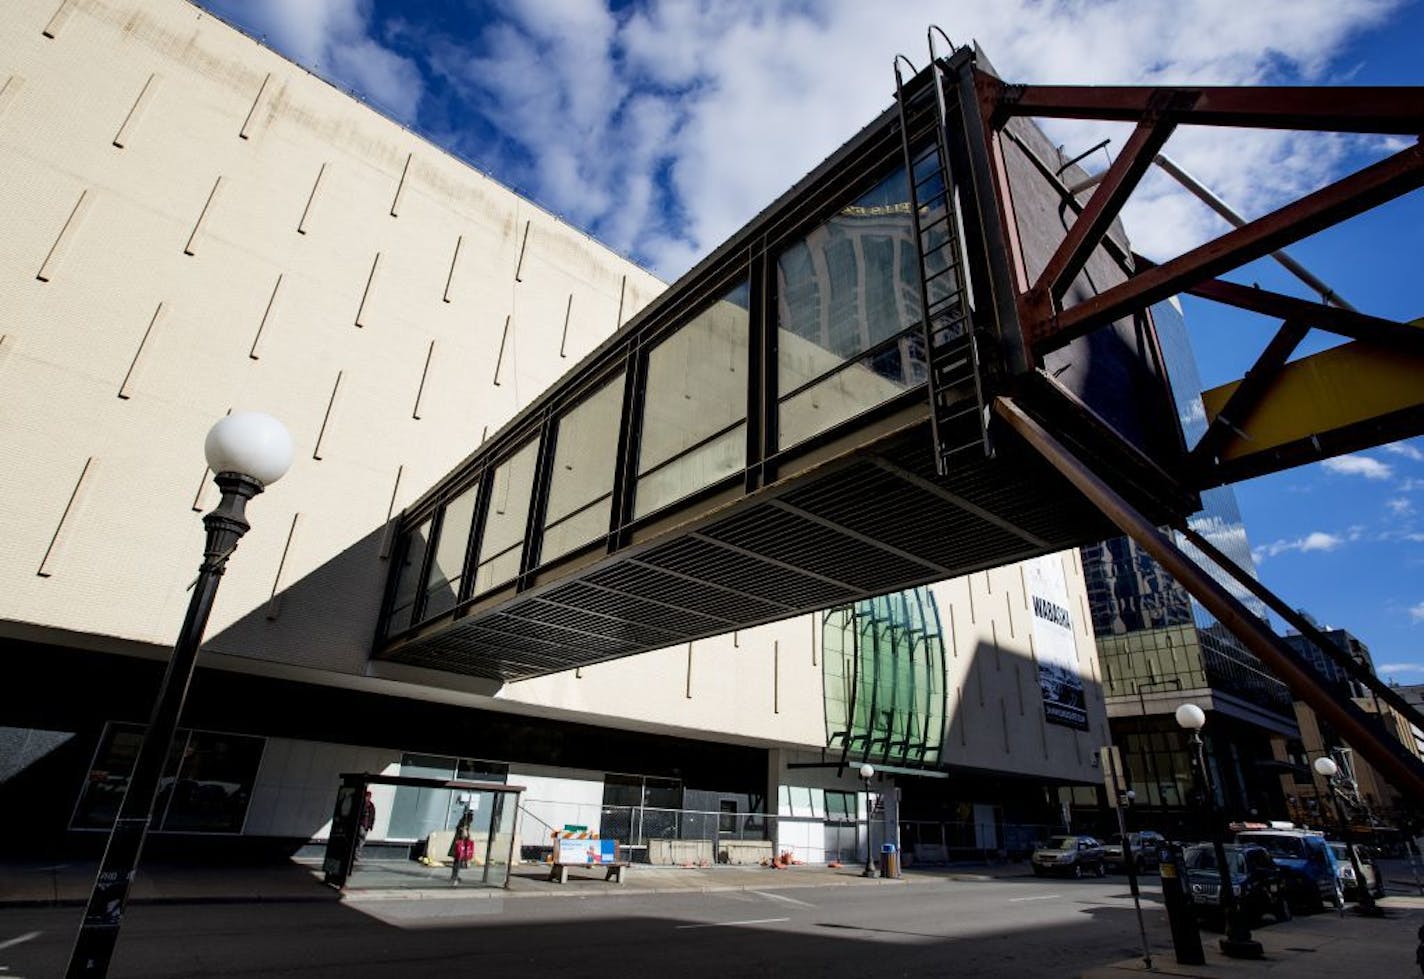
(889, 860)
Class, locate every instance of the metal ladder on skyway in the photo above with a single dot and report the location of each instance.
(959, 419)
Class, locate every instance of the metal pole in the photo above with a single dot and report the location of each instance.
(1402, 769)
(869, 870)
(1367, 905)
(99, 931)
(1237, 942)
(1129, 858)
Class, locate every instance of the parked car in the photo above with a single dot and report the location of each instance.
(1076, 856)
(1257, 884)
(1143, 846)
(1345, 871)
(1306, 862)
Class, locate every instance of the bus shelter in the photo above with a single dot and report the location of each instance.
(491, 806)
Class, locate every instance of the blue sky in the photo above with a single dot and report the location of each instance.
(661, 127)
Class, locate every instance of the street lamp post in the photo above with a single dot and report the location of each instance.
(246, 451)
(1237, 942)
(867, 772)
(1326, 766)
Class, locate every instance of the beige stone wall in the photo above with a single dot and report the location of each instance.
(259, 240)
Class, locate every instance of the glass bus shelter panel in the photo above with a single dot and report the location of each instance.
(412, 555)
(499, 850)
(442, 586)
(506, 517)
(695, 409)
(416, 850)
(848, 301)
(579, 507)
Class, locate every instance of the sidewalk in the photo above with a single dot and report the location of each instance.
(1320, 945)
(68, 884)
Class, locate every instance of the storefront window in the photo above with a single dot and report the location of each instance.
(205, 788)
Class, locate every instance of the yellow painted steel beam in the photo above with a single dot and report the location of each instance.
(1339, 400)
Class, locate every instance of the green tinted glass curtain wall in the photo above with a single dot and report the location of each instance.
(883, 673)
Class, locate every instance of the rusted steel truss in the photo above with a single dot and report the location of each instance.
(1047, 325)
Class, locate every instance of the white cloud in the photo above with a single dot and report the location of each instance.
(1416, 612)
(663, 126)
(1404, 449)
(337, 39)
(1399, 506)
(1390, 668)
(666, 126)
(1353, 465)
(1316, 540)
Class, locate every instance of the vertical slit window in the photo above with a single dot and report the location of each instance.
(695, 413)
(581, 484)
(505, 519)
(442, 586)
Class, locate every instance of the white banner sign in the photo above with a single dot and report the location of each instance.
(1058, 678)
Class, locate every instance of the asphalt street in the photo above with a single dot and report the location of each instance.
(932, 926)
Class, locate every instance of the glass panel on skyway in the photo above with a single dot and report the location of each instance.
(502, 540)
(694, 419)
(848, 296)
(581, 484)
(412, 555)
(447, 565)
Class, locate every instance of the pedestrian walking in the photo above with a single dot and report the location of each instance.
(462, 848)
(368, 821)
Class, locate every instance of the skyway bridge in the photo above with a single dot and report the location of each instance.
(933, 355)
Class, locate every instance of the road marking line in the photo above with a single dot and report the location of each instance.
(731, 924)
(21, 940)
(1041, 897)
(782, 897)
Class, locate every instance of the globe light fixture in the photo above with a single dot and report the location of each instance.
(247, 451)
(1327, 767)
(1191, 717)
(249, 443)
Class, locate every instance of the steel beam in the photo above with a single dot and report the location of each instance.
(1394, 761)
(1302, 625)
(1355, 194)
(1249, 393)
(1111, 194)
(1361, 109)
(1334, 319)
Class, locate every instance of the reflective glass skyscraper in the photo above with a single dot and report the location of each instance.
(1160, 648)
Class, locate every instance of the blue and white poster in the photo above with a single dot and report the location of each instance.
(1064, 701)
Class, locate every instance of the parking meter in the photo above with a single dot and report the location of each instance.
(1186, 939)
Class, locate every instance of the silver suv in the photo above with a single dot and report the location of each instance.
(1142, 846)
(1076, 856)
